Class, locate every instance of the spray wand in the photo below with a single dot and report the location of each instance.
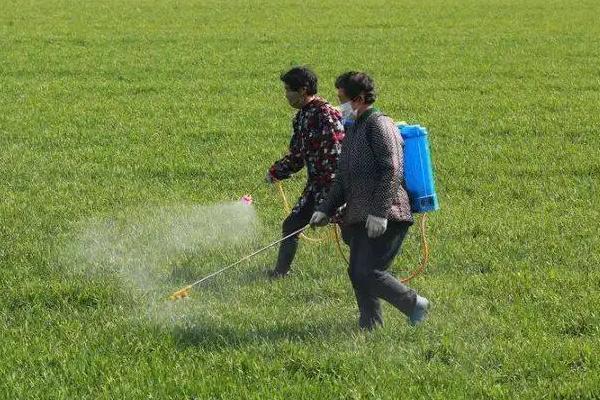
(184, 292)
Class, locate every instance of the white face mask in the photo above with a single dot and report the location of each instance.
(347, 111)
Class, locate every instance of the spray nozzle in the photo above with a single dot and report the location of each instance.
(180, 294)
(246, 199)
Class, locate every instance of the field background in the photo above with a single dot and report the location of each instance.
(110, 110)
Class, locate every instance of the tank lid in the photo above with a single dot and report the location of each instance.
(410, 131)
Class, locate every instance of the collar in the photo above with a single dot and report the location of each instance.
(315, 101)
(366, 114)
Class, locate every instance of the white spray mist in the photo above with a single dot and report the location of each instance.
(155, 250)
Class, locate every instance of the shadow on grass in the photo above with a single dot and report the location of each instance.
(213, 338)
(216, 334)
(253, 276)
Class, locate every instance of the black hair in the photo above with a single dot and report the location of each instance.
(356, 84)
(301, 77)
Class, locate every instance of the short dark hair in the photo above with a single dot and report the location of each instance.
(301, 77)
(355, 84)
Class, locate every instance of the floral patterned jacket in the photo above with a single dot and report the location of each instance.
(316, 143)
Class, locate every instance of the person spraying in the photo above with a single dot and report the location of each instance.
(315, 143)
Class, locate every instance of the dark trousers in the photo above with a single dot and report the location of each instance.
(369, 260)
(287, 248)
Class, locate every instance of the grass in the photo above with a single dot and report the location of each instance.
(112, 110)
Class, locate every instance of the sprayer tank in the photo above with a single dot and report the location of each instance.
(418, 169)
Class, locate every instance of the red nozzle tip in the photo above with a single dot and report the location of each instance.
(246, 199)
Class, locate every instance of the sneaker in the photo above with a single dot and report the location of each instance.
(419, 313)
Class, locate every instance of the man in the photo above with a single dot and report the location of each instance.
(370, 180)
(316, 144)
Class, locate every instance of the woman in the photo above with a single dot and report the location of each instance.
(316, 144)
(377, 215)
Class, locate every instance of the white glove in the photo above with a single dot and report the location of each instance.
(375, 226)
(318, 219)
(269, 178)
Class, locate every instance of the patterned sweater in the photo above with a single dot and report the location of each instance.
(316, 142)
(370, 177)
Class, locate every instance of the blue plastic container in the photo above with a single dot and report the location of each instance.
(418, 170)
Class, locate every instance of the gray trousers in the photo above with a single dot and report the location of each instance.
(369, 260)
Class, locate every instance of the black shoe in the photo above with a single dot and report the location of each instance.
(276, 274)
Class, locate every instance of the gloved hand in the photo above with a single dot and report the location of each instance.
(269, 178)
(376, 226)
(319, 219)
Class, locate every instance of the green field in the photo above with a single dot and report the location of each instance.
(126, 128)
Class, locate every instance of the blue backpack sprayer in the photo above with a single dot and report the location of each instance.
(419, 182)
(418, 169)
